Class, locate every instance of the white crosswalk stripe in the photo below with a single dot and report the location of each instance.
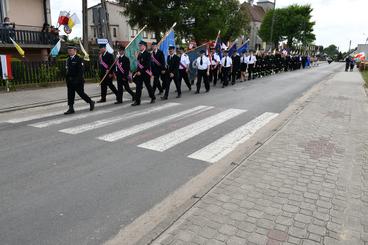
(109, 121)
(226, 144)
(144, 126)
(48, 114)
(178, 136)
(64, 119)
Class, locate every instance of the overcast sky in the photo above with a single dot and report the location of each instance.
(337, 21)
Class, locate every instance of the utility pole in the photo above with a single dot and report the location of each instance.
(107, 25)
(349, 46)
(273, 23)
(85, 24)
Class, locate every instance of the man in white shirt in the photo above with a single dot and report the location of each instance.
(226, 64)
(215, 61)
(184, 67)
(251, 64)
(203, 71)
(243, 65)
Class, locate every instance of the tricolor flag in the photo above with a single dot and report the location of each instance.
(19, 49)
(56, 49)
(6, 67)
(63, 18)
(73, 20)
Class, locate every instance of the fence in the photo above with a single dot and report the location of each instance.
(43, 73)
(28, 37)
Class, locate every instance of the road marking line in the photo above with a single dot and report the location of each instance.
(57, 121)
(118, 135)
(109, 121)
(226, 144)
(178, 136)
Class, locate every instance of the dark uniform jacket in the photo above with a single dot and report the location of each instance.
(144, 63)
(236, 62)
(107, 59)
(124, 62)
(160, 58)
(74, 70)
(173, 64)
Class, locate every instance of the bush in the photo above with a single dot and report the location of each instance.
(47, 74)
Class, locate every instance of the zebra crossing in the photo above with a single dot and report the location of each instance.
(209, 118)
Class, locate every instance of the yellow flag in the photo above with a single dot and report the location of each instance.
(19, 49)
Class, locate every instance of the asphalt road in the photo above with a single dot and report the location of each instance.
(80, 179)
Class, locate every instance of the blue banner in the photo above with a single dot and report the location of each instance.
(169, 41)
(243, 48)
(193, 55)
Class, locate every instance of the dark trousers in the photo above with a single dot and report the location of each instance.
(123, 83)
(234, 75)
(213, 75)
(225, 75)
(107, 83)
(202, 74)
(157, 83)
(347, 67)
(168, 83)
(183, 74)
(250, 71)
(139, 81)
(79, 89)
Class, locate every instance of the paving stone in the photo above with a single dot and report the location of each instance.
(228, 230)
(257, 238)
(277, 235)
(303, 218)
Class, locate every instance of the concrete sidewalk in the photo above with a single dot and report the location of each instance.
(38, 97)
(307, 185)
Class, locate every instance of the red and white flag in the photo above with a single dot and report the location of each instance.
(6, 67)
(63, 18)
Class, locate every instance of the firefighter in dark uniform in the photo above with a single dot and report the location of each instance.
(122, 70)
(75, 80)
(106, 60)
(172, 73)
(143, 74)
(236, 67)
(158, 68)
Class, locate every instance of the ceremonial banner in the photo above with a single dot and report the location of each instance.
(193, 55)
(168, 41)
(131, 50)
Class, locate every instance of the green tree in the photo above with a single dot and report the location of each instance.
(158, 15)
(292, 24)
(196, 19)
(331, 51)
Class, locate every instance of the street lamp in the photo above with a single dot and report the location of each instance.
(273, 22)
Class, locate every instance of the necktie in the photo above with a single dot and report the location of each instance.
(225, 61)
(201, 62)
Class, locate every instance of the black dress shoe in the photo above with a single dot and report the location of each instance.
(92, 105)
(70, 111)
(135, 103)
(163, 98)
(197, 92)
(118, 102)
(207, 91)
(101, 101)
(153, 101)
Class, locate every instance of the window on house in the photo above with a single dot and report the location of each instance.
(94, 32)
(114, 32)
(145, 34)
(153, 35)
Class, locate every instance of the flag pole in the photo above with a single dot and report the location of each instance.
(218, 35)
(144, 27)
(166, 34)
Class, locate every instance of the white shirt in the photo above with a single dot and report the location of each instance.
(252, 59)
(205, 63)
(215, 59)
(229, 61)
(184, 62)
(244, 59)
